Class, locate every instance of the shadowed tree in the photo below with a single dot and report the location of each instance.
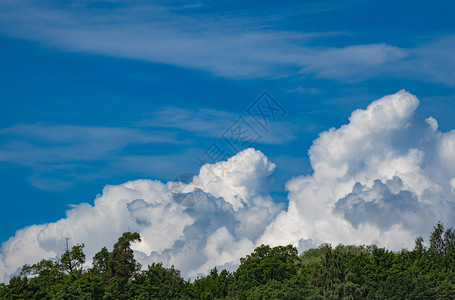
(436, 240)
(100, 262)
(265, 264)
(121, 266)
(121, 262)
(419, 247)
(74, 259)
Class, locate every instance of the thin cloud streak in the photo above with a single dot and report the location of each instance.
(34, 144)
(60, 154)
(157, 34)
(213, 123)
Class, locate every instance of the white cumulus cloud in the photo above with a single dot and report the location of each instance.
(385, 177)
(232, 212)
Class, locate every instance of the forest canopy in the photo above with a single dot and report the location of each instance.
(341, 272)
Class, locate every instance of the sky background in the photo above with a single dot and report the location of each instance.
(102, 92)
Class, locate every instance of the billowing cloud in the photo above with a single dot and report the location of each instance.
(385, 177)
(384, 205)
(233, 208)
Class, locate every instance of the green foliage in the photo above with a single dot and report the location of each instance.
(266, 264)
(213, 286)
(100, 262)
(343, 272)
(158, 282)
(121, 266)
(121, 262)
(73, 259)
(293, 289)
(437, 245)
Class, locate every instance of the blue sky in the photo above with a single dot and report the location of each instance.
(102, 92)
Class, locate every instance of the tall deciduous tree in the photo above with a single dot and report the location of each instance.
(121, 262)
(100, 262)
(74, 259)
(436, 239)
(266, 263)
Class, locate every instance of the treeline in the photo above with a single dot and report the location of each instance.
(343, 272)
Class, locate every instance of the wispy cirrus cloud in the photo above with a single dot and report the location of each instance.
(32, 144)
(60, 155)
(213, 123)
(227, 46)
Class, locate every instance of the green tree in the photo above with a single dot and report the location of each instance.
(265, 264)
(79, 286)
(100, 262)
(216, 285)
(158, 282)
(35, 281)
(295, 288)
(437, 245)
(74, 259)
(345, 272)
(121, 267)
(121, 262)
(419, 247)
